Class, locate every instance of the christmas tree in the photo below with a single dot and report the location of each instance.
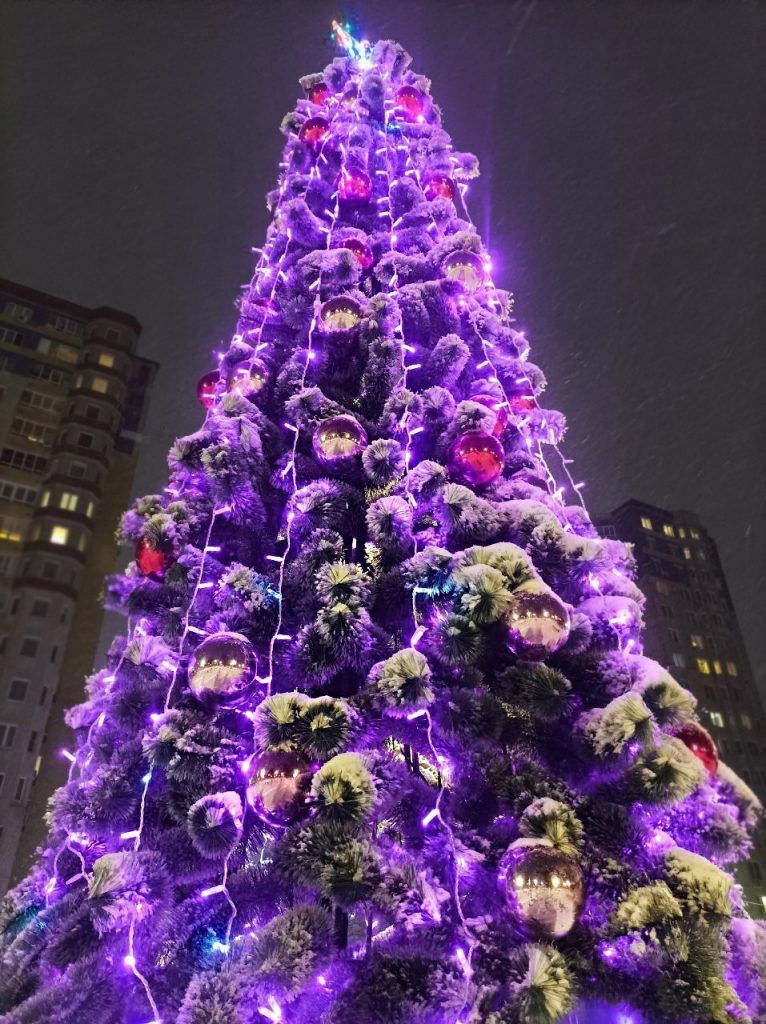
(380, 744)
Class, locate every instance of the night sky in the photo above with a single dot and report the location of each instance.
(622, 196)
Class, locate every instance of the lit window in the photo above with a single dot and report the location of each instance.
(646, 522)
(44, 345)
(668, 530)
(46, 497)
(681, 532)
(687, 553)
(100, 385)
(66, 353)
(731, 668)
(702, 556)
(106, 359)
(82, 542)
(696, 641)
(746, 721)
(59, 534)
(694, 534)
(679, 660)
(68, 501)
(717, 668)
(716, 718)
(703, 666)
(90, 509)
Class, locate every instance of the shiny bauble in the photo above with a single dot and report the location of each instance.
(222, 670)
(340, 315)
(313, 131)
(278, 786)
(589, 1011)
(440, 186)
(152, 561)
(543, 887)
(538, 623)
(522, 401)
(318, 94)
(355, 185)
(497, 406)
(207, 388)
(476, 458)
(464, 267)
(700, 743)
(338, 439)
(409, 101)
(247, 377)
(361, 251)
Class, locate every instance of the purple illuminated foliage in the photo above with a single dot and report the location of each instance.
(374, 644)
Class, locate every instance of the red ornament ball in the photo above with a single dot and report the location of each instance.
(318, 93)
(355, 185)
(476, 458)
(464, 267)
(222, 671)
(543, 887)
(410, 102)
(207, 388)
(440, 186)
(538, 623)
(701, 744)
(152, 561)
(497, 406)
(313, 131)
(279, 783)
(362, 252)
(338, 439)
(340, 315)
(522, 401)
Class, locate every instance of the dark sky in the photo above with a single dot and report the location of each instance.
(622, 195)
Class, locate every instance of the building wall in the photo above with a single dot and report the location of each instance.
(692, 630)
(72, 392)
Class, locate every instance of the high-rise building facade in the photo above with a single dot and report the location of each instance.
(693, 631)
(73, 395)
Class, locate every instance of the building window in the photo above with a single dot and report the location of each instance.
(77, 470)
(32, 743)
(687, 553)
(716, 718)
(20, 787)
(666, 611)
(662, 587)
(731, 668)
(39, 608)
(746, 720)
(673, 634)
(31, 431)
(43, 696)
(50, 570)
(646, 522)
(106, 359)
(755, 871)
(100, 385)
(681, 532)
(10, 337)
(90, 509)
(7, 735)
(17, 312)
(696, 641)
(59, 534)
(29, 646)
(82, 542)
(668, 530)
(694, 534)
(112, 334)
(91, 412)
(63, 323)
(68, 501)
(54, 653)
(18, 689)
(717, 668)
(66, 353)
(679, 660)
(703, 666)
(85, 440)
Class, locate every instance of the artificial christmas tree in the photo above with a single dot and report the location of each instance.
(380, 744)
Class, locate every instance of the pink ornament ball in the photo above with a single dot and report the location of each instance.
(440, 186)
(151, 560)
(319, 93)
(207, 388)
(538, 623)
(338, 439)
(355, 185)
(279, 783)
(409, 100)
(522, 401)
(544, 889)
(361, 251)
(222, 670)
(476, 458)
(313, 131)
